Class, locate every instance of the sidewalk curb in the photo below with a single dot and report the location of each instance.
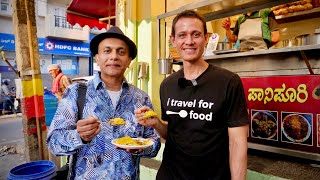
(10, 116)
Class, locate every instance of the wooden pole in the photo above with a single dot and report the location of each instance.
(27, 58)
(31, 36)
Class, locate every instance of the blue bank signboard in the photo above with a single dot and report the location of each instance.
(50, 46)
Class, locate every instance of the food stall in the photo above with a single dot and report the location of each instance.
(282, 83)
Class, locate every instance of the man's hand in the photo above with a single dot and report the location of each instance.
(88, 128)
(131, 151)
(159, 125)
(139, 113)
(226, 24)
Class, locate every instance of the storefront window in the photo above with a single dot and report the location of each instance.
(45, 61)
(4, 5)
(69, 64)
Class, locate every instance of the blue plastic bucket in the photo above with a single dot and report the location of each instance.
(42, 169)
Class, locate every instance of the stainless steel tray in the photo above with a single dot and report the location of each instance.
(217, 52)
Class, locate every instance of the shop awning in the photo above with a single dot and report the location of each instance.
(94, 13)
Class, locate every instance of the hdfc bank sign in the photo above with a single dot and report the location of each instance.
(51, 46)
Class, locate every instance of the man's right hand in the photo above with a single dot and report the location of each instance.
(88, 128)
(139, 113)
(159, 125)
(226, 23)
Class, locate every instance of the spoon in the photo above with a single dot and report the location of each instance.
(182, 113)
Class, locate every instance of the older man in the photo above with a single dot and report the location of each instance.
(60, 81)
(108, 96)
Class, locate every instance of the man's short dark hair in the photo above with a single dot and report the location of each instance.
(188, 14)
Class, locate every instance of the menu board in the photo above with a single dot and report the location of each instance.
(284, 111)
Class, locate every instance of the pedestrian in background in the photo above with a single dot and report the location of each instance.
(59, 84)
(14, 98)
(204, 112)
(60, 81)
(7, 96)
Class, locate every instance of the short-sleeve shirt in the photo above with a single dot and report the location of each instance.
(197, 145)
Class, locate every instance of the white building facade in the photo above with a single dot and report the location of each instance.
(58, 41)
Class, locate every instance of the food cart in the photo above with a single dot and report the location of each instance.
(282, 83)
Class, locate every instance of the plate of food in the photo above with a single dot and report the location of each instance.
(264, 125)
(296, 128)
(127, 142)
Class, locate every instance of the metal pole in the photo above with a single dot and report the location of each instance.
(109, 13)
(9, 64)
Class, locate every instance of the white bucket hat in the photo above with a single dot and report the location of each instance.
(53, 66)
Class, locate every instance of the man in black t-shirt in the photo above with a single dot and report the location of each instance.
(204, 112)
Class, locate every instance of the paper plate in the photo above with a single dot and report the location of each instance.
(149, 143)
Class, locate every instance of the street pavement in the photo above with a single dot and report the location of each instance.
(11, 143)
(283, 166)
(10, 129)
(273, 165)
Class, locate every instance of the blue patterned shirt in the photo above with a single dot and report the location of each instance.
(99, 159)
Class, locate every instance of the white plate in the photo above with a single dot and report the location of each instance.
(150, 143)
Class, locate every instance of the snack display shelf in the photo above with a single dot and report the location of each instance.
(297, 16)
(262, 52)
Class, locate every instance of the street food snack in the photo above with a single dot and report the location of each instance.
(150, 114)
(264, 125)
(127, 140)
(117, 122)
(292, 7)
(296, 128)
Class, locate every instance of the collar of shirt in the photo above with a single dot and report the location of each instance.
(97, 82)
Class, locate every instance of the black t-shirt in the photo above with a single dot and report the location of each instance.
(197, 145)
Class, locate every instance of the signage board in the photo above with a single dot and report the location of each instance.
(50, 46)
(284, 111)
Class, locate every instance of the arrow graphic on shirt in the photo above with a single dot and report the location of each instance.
(182, 113)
